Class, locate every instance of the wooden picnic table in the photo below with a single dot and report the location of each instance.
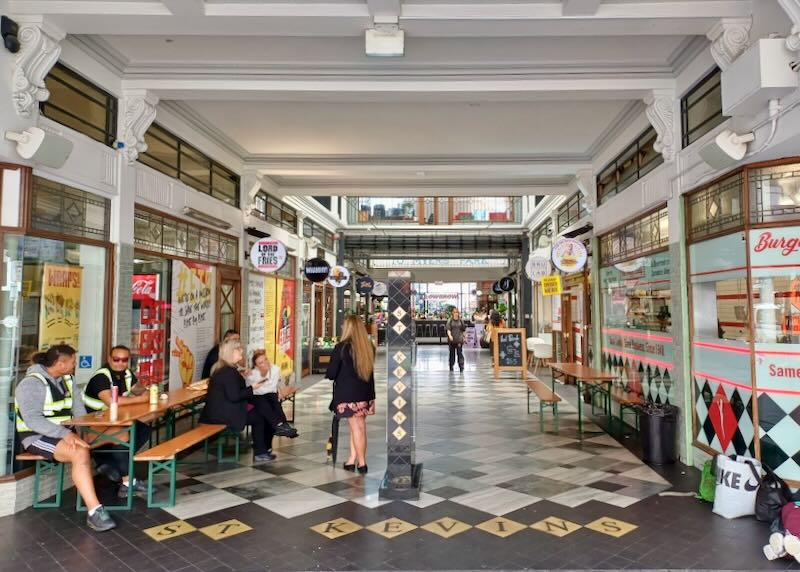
(572, 372)
(122, 431)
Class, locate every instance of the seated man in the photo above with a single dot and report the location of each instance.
(97, 397)
(266, 397)
(43, 401)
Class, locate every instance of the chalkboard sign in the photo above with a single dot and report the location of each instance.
(510, 351)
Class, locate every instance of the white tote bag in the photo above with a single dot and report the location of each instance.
(737, 485)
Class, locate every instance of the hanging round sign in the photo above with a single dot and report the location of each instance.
(496, 288)
(317, 269)
(339, 276)
(507, 284)
(380, 289)
(569, 255)
(537, 268)
(364, 285)
(268, 255)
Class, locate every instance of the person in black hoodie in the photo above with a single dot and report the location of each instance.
(352, 371)
(227, 400)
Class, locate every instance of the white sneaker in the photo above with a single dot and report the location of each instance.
(792, 545)
(776, 545)
(770, 553)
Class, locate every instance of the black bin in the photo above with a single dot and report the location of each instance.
(658, 425)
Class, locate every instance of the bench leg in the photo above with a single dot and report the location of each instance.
(43, 468)
(541, 416)
(529, 402)
(153, 468)
(555, 415)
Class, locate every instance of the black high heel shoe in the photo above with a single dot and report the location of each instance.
(351, 468)
(362, 470)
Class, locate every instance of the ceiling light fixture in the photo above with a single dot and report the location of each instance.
(385, 40)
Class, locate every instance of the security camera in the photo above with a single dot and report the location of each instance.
(10, 30)
(46, 149)
(726, 149)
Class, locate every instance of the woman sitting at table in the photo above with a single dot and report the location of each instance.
(267, 398)
(227, 400)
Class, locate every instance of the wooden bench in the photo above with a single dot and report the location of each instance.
(162, 458)
(43, 467)
(546, 397)
(628, 401)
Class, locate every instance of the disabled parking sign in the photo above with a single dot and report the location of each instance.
(85, 362)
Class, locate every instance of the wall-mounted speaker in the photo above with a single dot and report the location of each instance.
(45, 148)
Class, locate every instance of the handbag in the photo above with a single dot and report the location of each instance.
(708, 482)
(738, 480)
(771, 496)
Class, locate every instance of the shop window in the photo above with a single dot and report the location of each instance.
(774, 193)
(570, 212)
(326, 237)
(175, 158)
(629, 241)
(701, 108)
(629, 166)
(717, 208)
(157, 233)
(80, 105)
(275, 212)
(65, 210)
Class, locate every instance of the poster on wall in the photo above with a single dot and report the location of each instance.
(192, 323)
(255, 306)
(270, 315)
(59, 316)
(150, 337)
(284, 343)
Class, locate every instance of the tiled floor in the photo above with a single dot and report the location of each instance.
(497, 494)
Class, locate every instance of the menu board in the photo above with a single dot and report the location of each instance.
(509, 351)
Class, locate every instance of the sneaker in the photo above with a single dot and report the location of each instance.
(286, 430)
(792, 545)
(770, 553)
(268, 456)
(139, 488)
(109, 472)
(100, 521)
(776, 545)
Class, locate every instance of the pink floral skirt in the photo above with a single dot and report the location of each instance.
(355, 409)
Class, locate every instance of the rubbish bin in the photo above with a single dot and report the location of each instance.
(658, 423)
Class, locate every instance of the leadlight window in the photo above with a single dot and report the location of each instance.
(571, 211)
(701, 108)
(638, 159)
(80, 105)
(176, 158)
(774, 193)
(637, 238)
(156, 233)
(66, 210)
(326, 237)
(716, 208)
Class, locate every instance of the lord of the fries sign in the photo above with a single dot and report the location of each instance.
(59, 317)
(192, 321)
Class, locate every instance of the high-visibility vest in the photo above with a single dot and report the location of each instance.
(95, 404)
(57, 407)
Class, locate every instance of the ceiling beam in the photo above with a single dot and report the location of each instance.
(185, 7)
(422, 191)
(579, 7)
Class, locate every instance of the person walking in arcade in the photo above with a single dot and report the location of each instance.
(455, 339)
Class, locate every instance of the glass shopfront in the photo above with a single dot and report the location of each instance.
(635, 284)
(744, 259)
(55, 270)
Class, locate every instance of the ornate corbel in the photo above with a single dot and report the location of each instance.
(793, 39)
(250, 185)
(138, 111)
(40, 47)
(729, 39)
(586, 183)
(661, 114)
(792, 8)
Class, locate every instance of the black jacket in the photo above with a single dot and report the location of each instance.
(347, 386)
(226, 401)
(211, 359)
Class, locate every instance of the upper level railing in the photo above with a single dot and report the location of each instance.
(434, 210)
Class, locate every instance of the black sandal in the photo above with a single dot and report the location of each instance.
(351, 468)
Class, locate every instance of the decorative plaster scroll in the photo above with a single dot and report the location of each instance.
(585, 181)
(793, 39)
(138, 113)
(729, 39)
(792, 8)
(661, 114)
(250, 184)
(40, 49)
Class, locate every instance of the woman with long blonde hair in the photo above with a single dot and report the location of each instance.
(352, 369)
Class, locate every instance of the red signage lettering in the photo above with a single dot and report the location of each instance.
(787, 246)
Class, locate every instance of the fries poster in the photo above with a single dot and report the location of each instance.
(284, 343)
(192, 321)
(271, 306)
(60, 313)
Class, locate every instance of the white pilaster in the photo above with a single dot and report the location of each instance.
(729, 39)
(137, 113)
(40, 47)
(661, 114)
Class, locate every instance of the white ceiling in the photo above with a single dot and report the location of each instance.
(492, 96)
